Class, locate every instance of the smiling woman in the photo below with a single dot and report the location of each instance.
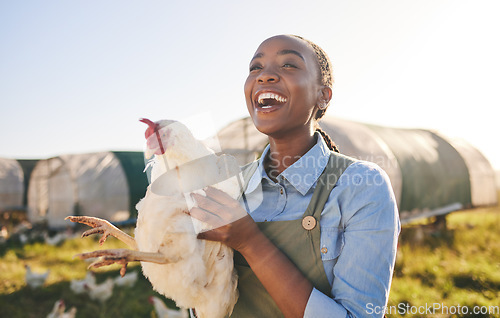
(290, 74)
(320, 236)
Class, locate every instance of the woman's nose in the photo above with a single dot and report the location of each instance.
(267, 76)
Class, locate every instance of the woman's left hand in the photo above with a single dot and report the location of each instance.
(232, 225)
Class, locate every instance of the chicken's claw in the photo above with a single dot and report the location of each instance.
(97, 230)
(109, 257)
(123, 270)
(100, 226)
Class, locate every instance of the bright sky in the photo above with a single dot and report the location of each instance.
(75, 76)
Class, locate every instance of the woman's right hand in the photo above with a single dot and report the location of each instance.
(289, 288)
(232, 225)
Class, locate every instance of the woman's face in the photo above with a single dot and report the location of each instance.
(283, 88)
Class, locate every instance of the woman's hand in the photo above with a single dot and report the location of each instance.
(232, 224)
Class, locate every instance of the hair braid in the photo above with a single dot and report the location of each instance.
(329, 142)
(325, 78)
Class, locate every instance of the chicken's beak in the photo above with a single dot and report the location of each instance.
(149, 153)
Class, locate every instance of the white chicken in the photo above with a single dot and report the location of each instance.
(35, 280)
(194, 273)
(101, 292)
(126, 281)
(55, 240)
(58, 311)
(78, 286)
(162, 311)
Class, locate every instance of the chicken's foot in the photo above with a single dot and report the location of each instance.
(123, 256)
(103, 227)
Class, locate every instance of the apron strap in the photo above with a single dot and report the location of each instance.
(337, 163)
(298, 242)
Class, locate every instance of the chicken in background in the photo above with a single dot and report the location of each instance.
(128, 280)
(78, 286)
(57, 239)
(162, 311)
(58, 311)
(35, 280)
(194, 273)
(100, 292)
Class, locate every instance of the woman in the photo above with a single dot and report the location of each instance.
(320, 236)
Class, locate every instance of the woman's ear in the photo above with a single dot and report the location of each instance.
(324, 96)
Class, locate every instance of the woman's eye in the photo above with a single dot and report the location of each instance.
(255, 67)
(289, 65)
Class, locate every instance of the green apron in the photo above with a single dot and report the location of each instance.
(297, 239)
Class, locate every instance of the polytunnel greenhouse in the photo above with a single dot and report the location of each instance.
(14, 182)
(431, 174)
(104, 184)
(11, 184)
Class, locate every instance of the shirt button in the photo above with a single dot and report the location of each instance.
(281, 191)
(308, 222)
(324, 250)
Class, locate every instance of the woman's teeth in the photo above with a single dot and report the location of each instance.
(272, 96)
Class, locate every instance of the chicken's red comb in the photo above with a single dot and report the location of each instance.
(153, 127)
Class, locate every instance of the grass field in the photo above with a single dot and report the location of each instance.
(18, 300)
(457, 267)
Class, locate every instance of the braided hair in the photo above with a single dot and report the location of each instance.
(329, 142)
(326, 79)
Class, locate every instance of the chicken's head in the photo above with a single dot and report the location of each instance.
(164, 135)
(151, 300)
(61, 306)
(157, 136)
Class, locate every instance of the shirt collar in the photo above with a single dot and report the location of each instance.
(303, 174)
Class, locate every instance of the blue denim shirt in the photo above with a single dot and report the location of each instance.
(359, 229)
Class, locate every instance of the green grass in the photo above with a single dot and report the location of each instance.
(18, 300)
(456, 266)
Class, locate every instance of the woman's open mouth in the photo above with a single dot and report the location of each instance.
(268, 101)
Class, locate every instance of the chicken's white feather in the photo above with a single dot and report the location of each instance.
(35, 280)
(201, 273)
(78, 286)
(101, 292)
(162, 311)
(58, 311)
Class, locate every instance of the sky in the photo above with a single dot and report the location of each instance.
(75, 76)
